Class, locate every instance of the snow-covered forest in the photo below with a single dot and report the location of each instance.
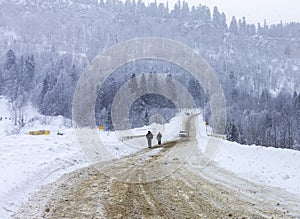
(46, 45)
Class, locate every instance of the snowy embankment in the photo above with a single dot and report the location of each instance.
(28, 162)
(264, 165)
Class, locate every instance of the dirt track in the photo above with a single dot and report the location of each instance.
(158, 185)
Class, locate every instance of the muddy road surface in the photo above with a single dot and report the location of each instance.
(159, 183)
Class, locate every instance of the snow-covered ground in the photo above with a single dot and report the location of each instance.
(264, 165)
(28, 162)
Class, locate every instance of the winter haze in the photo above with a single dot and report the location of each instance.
(53, 166)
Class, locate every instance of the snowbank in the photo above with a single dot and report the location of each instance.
(265, 165)
(28, 162)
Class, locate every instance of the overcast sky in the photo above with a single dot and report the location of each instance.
(255, 11)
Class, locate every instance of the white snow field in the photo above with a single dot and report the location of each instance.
(29, 162)
(264, 165)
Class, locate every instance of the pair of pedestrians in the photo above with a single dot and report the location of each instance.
(149, 137)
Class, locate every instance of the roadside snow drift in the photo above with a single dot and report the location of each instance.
(265, 165)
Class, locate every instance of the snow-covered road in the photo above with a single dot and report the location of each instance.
(161, 182)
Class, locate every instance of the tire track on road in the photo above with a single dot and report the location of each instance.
(180, 190)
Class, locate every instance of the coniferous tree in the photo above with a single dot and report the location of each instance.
(26, 69)
(45, 89)
(108, 123)
(132, 84)
(170, 87)
(156, 83)
(232, 134)
(243, 26)
(207, 14)
(11, 76)
(233, 28)
(147, 118)
(223, 22)
(143, 84)
(217, 16)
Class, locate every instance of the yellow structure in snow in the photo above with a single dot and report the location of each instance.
(40, 132)
(101, 127)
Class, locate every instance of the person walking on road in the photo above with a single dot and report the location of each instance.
(158, 137)
(149, 137)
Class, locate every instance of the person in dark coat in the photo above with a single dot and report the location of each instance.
(149, 137)
(159, 137)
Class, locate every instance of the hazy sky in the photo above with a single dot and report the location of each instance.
(255, 11)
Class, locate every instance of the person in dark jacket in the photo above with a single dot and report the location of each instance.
(159, 137)
(149, 137)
